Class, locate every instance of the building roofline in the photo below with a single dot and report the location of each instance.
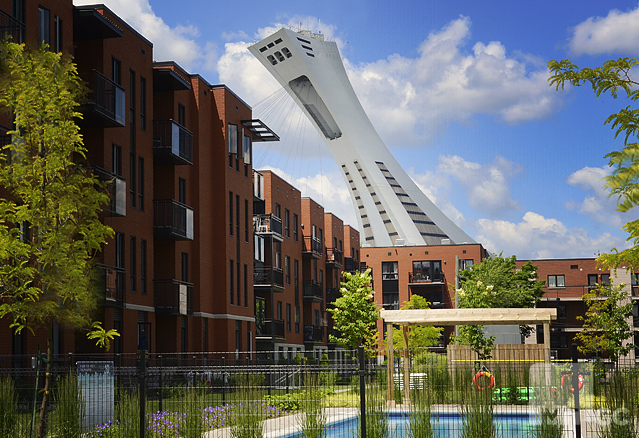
(219, 86)
(124, 23)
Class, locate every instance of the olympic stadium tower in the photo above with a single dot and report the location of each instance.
(392, 210)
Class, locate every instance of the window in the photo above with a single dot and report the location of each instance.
(181, 115)
(116, 71)
(119, 250)
(295, 223)
(143, 266)
(593, 280)
(316, 318)
(44, 26)
(133, 262)
(278, 254)
(465, 264)
(239, 303)
(427, 270)
(231, 213)
(245, 286)
(143, 104)
(246, 220)
(297, 318)
(58, 33)
(117, 160)
(246, 148)
(182, 190)
(288, 317)
(556, 281)
(231, 276)
(605, 279)
(185, 266)
(278, 315)
(132, 108)
(237, 218)
(232, 139)
(287, 223)
(389, 271)
(141, 183)
(132, 180)
(238, 336)
(278, 210)
(287, 269)
(391, 300)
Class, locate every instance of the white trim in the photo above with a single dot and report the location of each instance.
(139, 307)
(224, 316)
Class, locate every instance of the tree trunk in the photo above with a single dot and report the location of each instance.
(45, 396)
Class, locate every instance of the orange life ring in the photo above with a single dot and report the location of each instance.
(484, 374)
(580, 378)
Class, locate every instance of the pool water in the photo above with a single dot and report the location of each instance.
(447, 425)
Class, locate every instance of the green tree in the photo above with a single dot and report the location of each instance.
(355, 313)
(50, 231)
(605, 325)
(419, 337)
(495, 282)
(614, 78)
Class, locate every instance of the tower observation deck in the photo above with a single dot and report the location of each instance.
(391, 209)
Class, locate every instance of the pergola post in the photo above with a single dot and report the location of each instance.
(391, 365)
(547, 342)
(406, 366)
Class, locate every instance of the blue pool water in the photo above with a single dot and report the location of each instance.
(447, 425)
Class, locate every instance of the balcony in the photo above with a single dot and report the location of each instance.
(270, 329)
(332, 293)
(108, 106)
(112, 282)
(351, 264)
(172, 143)
(116, 188)
(334, 258)
(11, 28)
(172, 220)
(268, 224)
(173, 297)
(313, 334)
(313, 291)
(313, 247)
(420, 277)
(267, 276)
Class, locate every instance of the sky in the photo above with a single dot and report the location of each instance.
(457, 90)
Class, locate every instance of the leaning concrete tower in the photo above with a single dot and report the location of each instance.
(391, 209)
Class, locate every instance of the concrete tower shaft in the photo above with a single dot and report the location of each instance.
(391, 209)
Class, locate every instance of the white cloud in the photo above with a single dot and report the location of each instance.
(596, 204)
(538, 237)
(618, 32)
(436, 186)
(169, 43)
(487, 186)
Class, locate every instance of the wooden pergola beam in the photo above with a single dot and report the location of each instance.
(495, 316)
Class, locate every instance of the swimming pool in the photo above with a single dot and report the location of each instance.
(445, 425)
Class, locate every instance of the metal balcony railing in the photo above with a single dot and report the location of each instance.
(420, 277)
(172, 143)
(116, 188)
(267, 224)
(109, 99)
(11, 28)
(268, 276)
(313, 245)
(173, 297)
(313, 289)
(269, 329)
(172, 219)
(334, 257)
(112, 283)
(313, 334)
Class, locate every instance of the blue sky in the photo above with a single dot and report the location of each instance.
(457, 90)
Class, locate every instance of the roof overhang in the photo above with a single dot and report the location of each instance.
(260, 131)
(89, 24)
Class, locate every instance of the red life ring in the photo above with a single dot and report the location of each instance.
(580, 378)
(484, 374)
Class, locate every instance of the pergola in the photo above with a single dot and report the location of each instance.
(443, 317)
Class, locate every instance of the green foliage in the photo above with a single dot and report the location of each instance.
(477, 415)
(355, 313)
(419, 337)
(419, 421)
(313, 419)
(287, 402)
(613, 78)
(50, 230)
(194, 425)
(550, 425)
(8, 409)
(249, 414)
(495, 282)
(605, 325)
(68, 416)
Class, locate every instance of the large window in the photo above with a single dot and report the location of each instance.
(143, 104)
(287, 223)
(44, 26)
(132, 250)
(556, 281)
(389, 271)
(295, 223)
(141, 183)
(427, 270)
(232, 139)
(143, 258)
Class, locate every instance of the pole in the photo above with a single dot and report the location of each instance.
(362, 390)
(223, 380)
(160, 383)
(575, 386)
(142, 393)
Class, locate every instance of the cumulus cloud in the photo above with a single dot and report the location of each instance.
(169, 43)
(618, 32)
(538, 237)
(596, 204)
(487, 186)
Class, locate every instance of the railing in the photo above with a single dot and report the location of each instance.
(270, 328)
(109, 98)
(112, 280)
(419, 277)
(173, 297)
(351, 264)
(267, 224)
(172, 142)
(11, 28)
(116, 188)
(332, 293)
(313, 245)
(172, 219)
(313, 289)
(313, 334)
(335, 257)
(268, 276)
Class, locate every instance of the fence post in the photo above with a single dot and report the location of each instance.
(575, 386)
(223, 380)
(362, 390)
(142, 377)
(160, 383)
